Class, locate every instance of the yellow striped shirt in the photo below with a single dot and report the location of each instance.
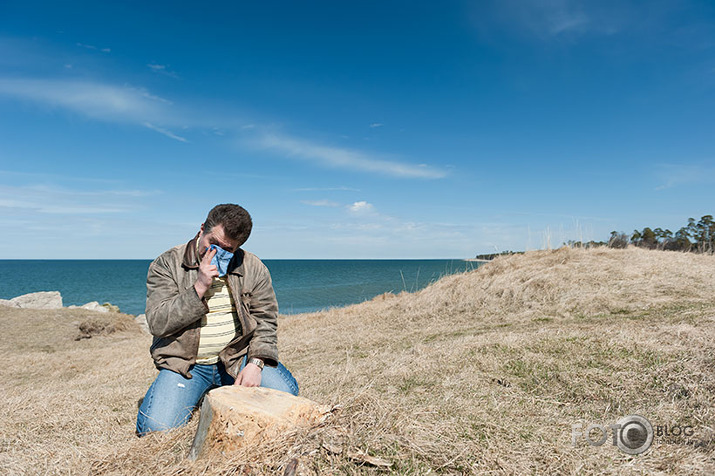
(220, 325)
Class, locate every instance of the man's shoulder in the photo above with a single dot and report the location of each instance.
(251, 261)
(172, 255)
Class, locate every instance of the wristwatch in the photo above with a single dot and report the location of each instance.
(257, 362)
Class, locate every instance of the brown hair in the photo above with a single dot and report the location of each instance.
(235, 219)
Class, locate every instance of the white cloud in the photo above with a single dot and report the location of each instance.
(361, 207)
(375, 125)
(320, 203)
(345, 158)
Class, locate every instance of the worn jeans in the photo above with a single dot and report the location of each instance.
(172, 397)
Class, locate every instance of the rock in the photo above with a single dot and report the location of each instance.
(91, 306)
(8, 303)
(110, 307)
(40, 300)
(141, 320)
(234, 416)
(95, 306)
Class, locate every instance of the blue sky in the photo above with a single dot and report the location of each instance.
(390, 129)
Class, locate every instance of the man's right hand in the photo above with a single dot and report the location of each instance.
(207, 273)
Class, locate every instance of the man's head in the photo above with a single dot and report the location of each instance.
(227, 225)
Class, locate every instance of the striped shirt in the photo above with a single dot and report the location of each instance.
(220, 325)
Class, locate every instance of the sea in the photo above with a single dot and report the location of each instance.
(301, 285)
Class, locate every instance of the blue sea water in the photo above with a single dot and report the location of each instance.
(300, 285)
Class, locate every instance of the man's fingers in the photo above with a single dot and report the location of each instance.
(210, 253)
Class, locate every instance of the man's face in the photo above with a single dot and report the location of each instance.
(217, 237)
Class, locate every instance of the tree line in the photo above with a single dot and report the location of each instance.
(696, 236)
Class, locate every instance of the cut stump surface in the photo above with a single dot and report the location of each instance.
(234, 416)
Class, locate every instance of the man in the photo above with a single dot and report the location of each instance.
(213, 314)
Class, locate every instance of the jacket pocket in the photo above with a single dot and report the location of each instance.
(245, 310)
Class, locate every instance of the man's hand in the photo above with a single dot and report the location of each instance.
(207, 273)
(250, 376)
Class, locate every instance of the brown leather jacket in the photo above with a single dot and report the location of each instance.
(174, 310)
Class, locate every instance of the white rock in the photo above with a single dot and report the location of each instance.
(141, 320)
(40, 300)
(8, 303)
(94, 306)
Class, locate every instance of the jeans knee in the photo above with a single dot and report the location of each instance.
(281, 379)
(292, 384)
(168, 403)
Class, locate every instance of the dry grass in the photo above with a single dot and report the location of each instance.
(480, 373)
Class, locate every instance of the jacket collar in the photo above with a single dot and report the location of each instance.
(191, 258)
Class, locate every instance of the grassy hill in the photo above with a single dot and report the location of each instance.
(482, 372)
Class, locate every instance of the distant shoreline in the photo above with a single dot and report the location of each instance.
(477, 260)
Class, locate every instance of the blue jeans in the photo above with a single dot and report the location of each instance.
(172, 397)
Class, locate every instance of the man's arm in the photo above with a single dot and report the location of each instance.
(264, 309)
(168, 308)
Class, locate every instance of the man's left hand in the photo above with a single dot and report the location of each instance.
(250, 376)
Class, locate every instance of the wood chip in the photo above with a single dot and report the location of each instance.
(367, 459)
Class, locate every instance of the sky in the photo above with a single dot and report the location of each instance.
(372, 129)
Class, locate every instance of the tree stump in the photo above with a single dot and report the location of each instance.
(233, 416)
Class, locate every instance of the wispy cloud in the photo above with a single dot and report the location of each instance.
(345, 158)
(162, 69)
(558, 16)
(320, 203)
(368, 233)
(376, 125)
(40, 199)
(95, 100)
(36, 176)
(672, 175)
(326, 189)
(92, 47)
(165, 132)
(138, 106)
(554, 18)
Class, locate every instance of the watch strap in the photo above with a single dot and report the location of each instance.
(257, 362)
